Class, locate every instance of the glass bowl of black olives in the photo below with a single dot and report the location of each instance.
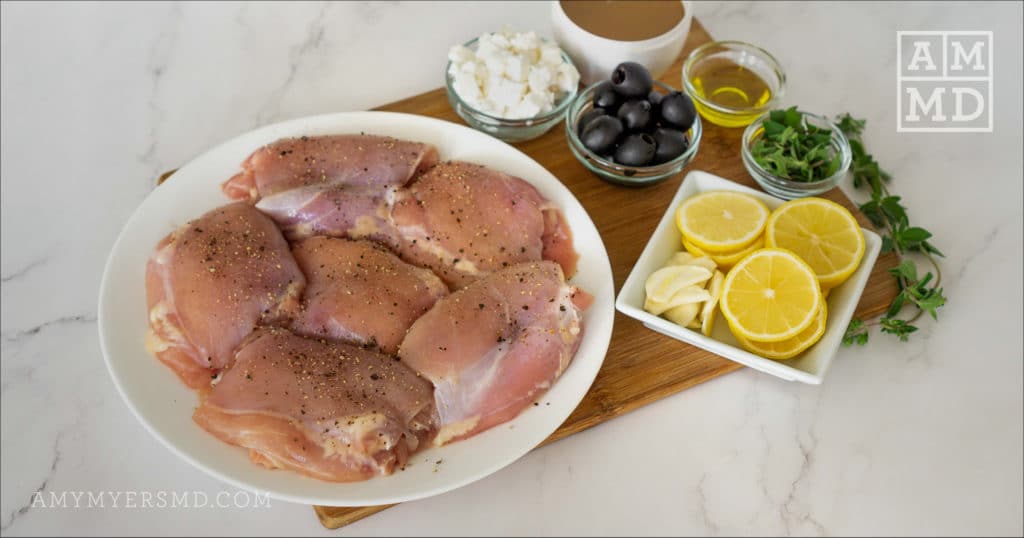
(631, 129)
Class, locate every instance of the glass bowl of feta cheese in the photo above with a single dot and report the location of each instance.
(514, 86)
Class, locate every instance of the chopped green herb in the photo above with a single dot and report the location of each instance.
(795, 150)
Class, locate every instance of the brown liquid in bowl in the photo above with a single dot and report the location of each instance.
(624, 20)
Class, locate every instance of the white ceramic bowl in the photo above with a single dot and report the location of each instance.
(595, 56)
(164, 405)
(808, 367)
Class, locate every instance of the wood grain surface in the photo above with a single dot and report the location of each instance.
(641, 366)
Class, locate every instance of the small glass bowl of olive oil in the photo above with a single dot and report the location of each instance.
(733, 83)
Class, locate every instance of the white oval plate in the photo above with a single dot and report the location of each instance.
(164, 405)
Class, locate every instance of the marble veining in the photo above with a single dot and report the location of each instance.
(22, 271)
(906, 438)
(156, 64)
(22, 510)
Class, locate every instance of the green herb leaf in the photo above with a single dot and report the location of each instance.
(929, 248)
(914, 235)
(887, 244)
(897, 305)
(892, 208)
(772, 128)
(931, 302)
(856, 333)
(898, 327)
(850, 127)
(873, 211)
(793, 118)
(906, 269)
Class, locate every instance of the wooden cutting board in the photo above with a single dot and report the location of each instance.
(641, 366)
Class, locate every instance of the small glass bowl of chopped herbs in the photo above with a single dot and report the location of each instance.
(793, 154)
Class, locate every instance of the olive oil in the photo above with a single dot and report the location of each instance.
(731, 86)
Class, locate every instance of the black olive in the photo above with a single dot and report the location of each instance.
(601, 134)
(630, 79)
(654, 97)
(636, 150)
(678, 111)
(671, 144)
(605, 97)
(635, 115)
(587, 117)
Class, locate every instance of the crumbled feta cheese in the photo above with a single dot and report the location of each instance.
(568, 77)
(465, 85)
(525, 42)
(511, 74)
(517, 67)
(527, 108)
(506, 93)
(541, 77)
(460, 54)
(501, 40)
(550, 54)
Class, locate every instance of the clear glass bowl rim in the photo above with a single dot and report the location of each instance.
(700, 52)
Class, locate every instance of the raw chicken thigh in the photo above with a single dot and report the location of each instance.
(361, 292)
(493, 347)
(323, 161)
(465, 220)
(210, 283)
(338, 211)
(332, 411)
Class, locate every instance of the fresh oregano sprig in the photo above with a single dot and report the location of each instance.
(885, 211)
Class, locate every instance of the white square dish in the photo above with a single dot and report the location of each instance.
(808, 367)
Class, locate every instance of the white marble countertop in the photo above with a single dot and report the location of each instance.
(909, 438)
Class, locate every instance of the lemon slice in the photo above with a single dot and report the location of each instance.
(685, 258)
(728, 259)
(662, 284)
(770, 295)
(707, 313)
(721, 221)
(791, 347)
(821, 232)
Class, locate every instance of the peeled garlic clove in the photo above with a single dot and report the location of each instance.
(708, 312)
(685, 258)
(687, 295)
(690, 294)
(683, 314)
(665, 282)
(656, 307)
(705, 262)
(680, 258)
